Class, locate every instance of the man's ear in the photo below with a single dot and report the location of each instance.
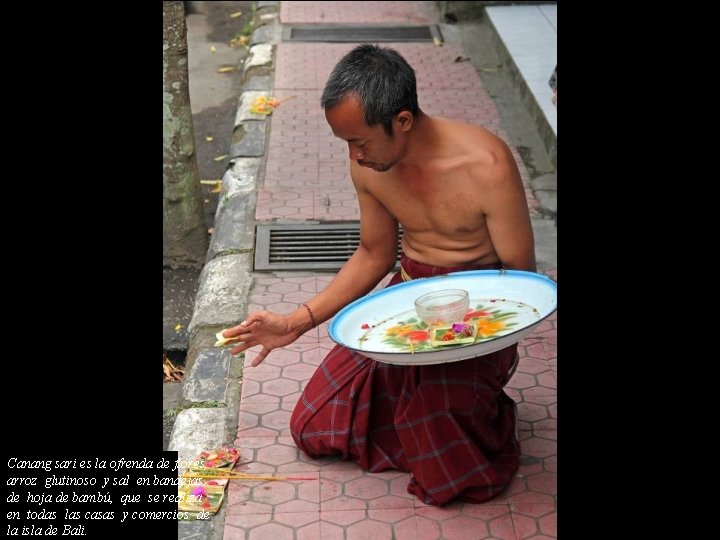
(404, 120)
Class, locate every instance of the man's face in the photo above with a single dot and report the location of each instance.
(370, 146)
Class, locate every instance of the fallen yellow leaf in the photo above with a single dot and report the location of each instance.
(261, 110)
(220, 158)
(212, 48)
(178, 327)
(235, 15)
(216, 188)
(238, 41)
(226, 69)
(264, 105)
(209, 138)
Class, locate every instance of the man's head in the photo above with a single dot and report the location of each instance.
(370, 98)
(380, 77)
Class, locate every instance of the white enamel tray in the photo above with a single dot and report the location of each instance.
(505, 304)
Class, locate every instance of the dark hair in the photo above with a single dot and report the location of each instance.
(380, 77)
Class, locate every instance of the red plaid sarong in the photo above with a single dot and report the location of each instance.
(450, 425)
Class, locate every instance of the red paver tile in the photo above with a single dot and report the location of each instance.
(297, 519)
(271, 530)
(255, 467)
(530, 412)
(531, 497)
(250, 444)
(330, 531)
(391, 515)
(549, 424)
(300, 371)
(533, 369)
(544, 482)
(280, 387)
(549, 380)
(298, 297)
(427, 528)
(485, 511)
(368, 528)
(405, 529)
(277, 454)
(237, 526)
(502, 528)
(536, 350)
(521, 381)
(272, 492)
(391, 501)
(540, 395)
(534, 520)
(348, 469)
(516, 487)
(367, 487)
(358, 12)
(342, 517)
(262, 372)
(309, 532)
(238, 502)
(548, 525)
(437, 513)
(332, 490)
(524, 526)
(528, 467)
(277, 420)
(537, 447)
(533, 510)
(282, 357)
(464, 528)
(251, 393)
(548, 434)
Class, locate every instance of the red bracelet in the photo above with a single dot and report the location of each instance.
(312, 318)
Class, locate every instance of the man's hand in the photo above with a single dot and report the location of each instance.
(265, 328)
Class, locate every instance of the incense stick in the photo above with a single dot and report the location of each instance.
(244, 476)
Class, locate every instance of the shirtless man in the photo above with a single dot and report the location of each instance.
(457, 192)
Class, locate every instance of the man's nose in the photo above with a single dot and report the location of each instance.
(355, 152)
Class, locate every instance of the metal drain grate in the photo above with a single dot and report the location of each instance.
(359, 34)
(306, 247)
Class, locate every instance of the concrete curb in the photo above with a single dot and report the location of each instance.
(211, 390)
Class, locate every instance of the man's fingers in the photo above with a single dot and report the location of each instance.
(260, 357)
(242, 327)
(222, 340)
(242, 346)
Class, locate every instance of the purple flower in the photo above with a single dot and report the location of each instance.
(198, 491)
(458, 327)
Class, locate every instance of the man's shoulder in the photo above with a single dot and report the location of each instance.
(359, 175)
(471, 137)
(487, 157)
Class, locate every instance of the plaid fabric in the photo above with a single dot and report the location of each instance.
(450, 425)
